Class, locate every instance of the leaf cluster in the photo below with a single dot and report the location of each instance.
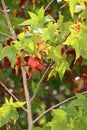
(8, 111)
(74, 117)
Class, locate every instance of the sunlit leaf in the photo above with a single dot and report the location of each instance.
(21, 36)
(55, 53)
(18, 104)
(58, 121)
(63, 66)
(7, 101)
(48, 33)
(41, 13)
(72, 6)
(11, 100)
(7, 113)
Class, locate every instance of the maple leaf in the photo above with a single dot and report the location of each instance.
(84, 77)
(15, 12)
(34, 64)
(22, 2)
(17, 65)
(6, 62)
(74, 61)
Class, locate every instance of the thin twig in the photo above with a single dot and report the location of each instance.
(43, 77)
(3, 85)
(55, 106)
(6, 35)
(29, 112)
(8, 20)
(63, 5)
(48, 5)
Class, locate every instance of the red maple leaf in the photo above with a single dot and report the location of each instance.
(34, 64)
(22, 2)
(6, 62)
(33, 2)
(84, 77)
(17, 66)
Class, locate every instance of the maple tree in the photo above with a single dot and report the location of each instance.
(43, 63)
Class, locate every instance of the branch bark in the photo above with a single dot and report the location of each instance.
(43, 77)
(3, 85)
(8, 20)
(55, 106)
(48, 5)
(6, 35)
(29, 112)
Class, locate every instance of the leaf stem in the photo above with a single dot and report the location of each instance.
(29, 112)
(55, 106)
(41, 80)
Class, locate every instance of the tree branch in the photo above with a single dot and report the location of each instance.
(8, 20)
(36, 91)
(57, 105)
(6, 35)
(3, 85)
(48, 5)
(29, 112)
